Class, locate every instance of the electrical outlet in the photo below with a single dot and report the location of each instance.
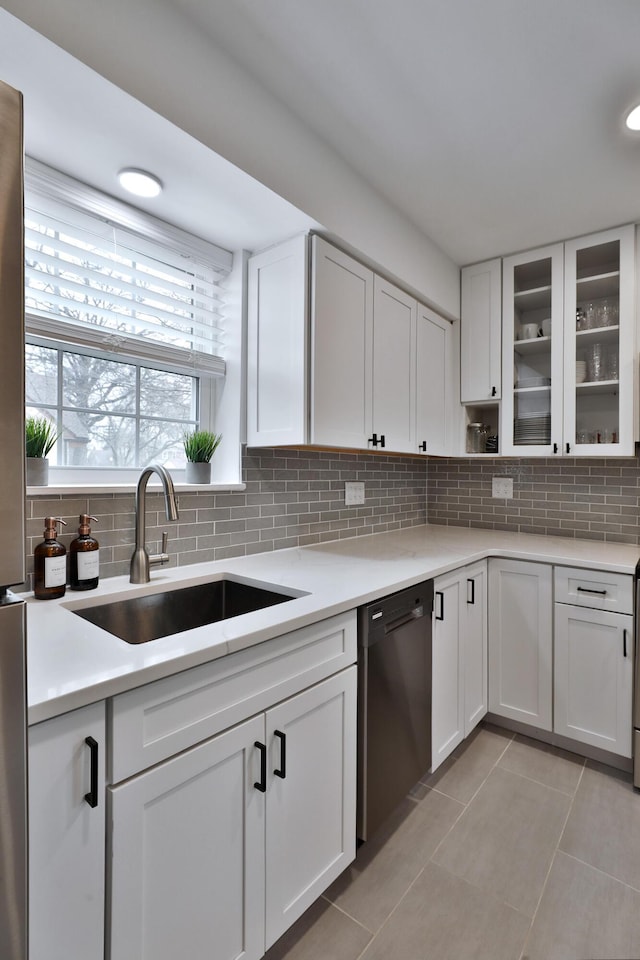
(502, 487)
(353, 493)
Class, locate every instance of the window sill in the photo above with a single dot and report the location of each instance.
(58, 489)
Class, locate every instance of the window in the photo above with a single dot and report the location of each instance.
(124, 326)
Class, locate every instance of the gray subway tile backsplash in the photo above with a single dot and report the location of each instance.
(296, 497)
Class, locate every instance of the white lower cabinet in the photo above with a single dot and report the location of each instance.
(459, 658)
(521, 641)
(594, 677)
(66, 836)
(215, 852)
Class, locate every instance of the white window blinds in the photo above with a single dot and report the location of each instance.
(103, 275)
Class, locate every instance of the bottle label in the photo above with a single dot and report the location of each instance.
(55, 571)
(88, 564)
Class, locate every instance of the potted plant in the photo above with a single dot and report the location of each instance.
(40, 436)
(199, 447)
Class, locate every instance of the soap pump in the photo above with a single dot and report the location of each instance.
(50, 563)
(84, 557)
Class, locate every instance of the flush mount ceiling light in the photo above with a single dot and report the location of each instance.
(139, 182)
(632, 119)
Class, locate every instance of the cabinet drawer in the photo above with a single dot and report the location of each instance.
(594, 588)
(162, 718)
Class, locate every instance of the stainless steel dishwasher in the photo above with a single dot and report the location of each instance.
(394, 701)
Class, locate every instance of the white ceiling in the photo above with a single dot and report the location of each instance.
(78, 122)
(494, 125)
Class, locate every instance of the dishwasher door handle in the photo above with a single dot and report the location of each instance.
(411, 617)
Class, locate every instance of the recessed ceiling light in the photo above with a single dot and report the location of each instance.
(633, 118)
(139, 182)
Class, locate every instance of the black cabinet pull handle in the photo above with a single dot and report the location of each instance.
(568, 448)
(624, 642)
(92, 797)
(473, 591)
(493, 391)
(600, 593)
(382, 439)
(440, 616)
(555, 448)
(423, 446)
(374, 440)
(282, 770)
(261, 784)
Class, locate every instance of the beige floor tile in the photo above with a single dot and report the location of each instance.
(444, 918)
(470, 764)
(603, 828)
(322, 933)
(390, 861)
(584, 913)
(505, 840)
(549, 765)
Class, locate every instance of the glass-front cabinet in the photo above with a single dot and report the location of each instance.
(599, 344)
(569, 349)
(532, 304)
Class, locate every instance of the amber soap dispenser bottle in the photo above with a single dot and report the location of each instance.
(50, 563)
(84, 557)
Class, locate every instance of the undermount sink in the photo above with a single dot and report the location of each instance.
(144, 618)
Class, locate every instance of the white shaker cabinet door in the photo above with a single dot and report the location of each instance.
(474, 645)
(66, 836)
(394, 367)
(341, 348)
(311, 797)
(481, 332)
(520, 641)
(594, 677)
(187, 867)
(448, 721)
(434, 380)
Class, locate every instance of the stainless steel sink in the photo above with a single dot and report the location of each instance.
(140, 619)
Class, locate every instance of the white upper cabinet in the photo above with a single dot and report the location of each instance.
(435, 374)
(341, 348)
(480, 332)
(532, 366)
(394, 368)
(569, 351)
(276, 338)
(599, 344)
(361, 368)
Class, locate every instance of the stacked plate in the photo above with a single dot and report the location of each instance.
(532, 428)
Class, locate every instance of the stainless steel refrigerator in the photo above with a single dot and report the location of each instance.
(13, 733)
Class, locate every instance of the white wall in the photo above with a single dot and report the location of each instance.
(149, 49)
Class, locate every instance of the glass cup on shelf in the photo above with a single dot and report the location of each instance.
(590, 317)
(608, 313)
(611, 367)
(595, 362)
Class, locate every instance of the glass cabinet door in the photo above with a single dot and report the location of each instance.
(599, 344)
(532, 352)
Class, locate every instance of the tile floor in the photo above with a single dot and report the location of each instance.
(512, 850)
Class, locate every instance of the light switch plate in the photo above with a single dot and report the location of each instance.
(502, 487)
(353, 493)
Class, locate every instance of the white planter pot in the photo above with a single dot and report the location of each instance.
(37, 472)
(198, 472)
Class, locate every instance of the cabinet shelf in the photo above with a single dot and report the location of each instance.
(606, 334)
(533, 299)
(546, 389)
(598, 286)
(535, 345)
(592, 387)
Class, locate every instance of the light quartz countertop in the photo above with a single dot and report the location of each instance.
(72, 663)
